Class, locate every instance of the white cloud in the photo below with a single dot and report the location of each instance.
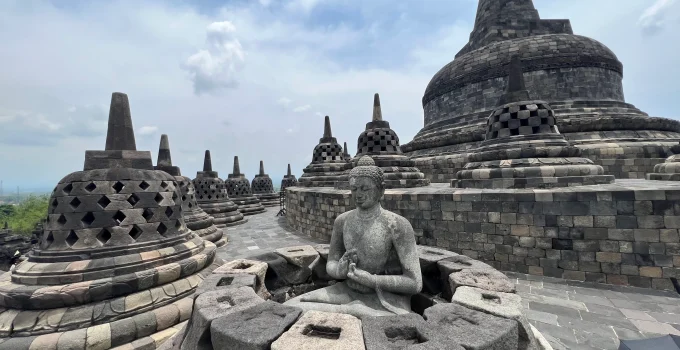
(265, 3)
(147, 130)
(72, 109)
(300, 109)
(215, 68)
(653, 18)
(284, 101)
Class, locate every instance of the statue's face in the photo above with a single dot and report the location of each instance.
(365, 191)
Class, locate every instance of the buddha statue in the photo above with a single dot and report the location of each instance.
(373, 251)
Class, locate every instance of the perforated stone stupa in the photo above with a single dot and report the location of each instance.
(196, 219)
(288, 180)
(328, 165)
(212, 197)
(263, 188)
(579, 77)
(523, 148)
(240, 192)
(116, 263)
(381, 143)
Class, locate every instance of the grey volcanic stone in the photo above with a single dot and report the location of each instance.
(255, 328)
(280, 273)
(473, 330)
(432, 278)
(458, 263)
(492, 280)
(301, 256)
(217, 281)
(211, 305)
(403, 332)
(506, 305)
(322, 330)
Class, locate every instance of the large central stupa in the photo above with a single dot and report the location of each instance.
(579, 77)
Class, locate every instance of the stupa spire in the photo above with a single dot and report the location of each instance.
(377, 112)
(516, 90)
(120, 134)
(327, 133)
(289, 172)
(237, 167)
(164, 157)
(207, 162)
(261, 168)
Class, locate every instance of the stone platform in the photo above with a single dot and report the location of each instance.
(625, 233)
(590, 316)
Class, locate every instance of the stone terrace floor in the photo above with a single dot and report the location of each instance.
(571, 315)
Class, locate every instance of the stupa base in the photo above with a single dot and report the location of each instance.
(663, 177)
(248, 205)
(268, 199)
(533, 182)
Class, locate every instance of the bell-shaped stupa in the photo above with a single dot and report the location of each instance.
(212, 197)
(116, 265)
(289, 180)
(240, 192)
(329, 166)
(523, 148)
(381, 143)
(195, 218)
(263, 188)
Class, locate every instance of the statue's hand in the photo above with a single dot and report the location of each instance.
(360, 276)
(344, 262)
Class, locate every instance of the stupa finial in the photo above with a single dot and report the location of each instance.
(289, 172)
(344, 149)
(261, 168)
(327, 133)
(164, 158)
(516, 90)
(377, 112)
(207, 162)
(120, 134)
(237, 167)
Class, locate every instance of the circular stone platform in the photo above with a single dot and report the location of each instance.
(464, 304)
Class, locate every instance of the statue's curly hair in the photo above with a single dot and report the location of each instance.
(366, 168)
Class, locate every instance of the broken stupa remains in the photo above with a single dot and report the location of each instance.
(328, 166)
(116, 263)
(212, 196)
(523, 149)
(263, 188)
(12, 246)
(381, 143)
(196, 219)
(238, 188)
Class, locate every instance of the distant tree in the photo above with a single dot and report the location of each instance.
(6, 211)
(28, 213)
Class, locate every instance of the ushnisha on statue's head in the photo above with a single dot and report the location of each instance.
(367, 183)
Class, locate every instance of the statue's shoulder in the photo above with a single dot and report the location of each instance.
(342, 217)
(400, 222)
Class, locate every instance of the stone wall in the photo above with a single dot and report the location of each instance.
(625, 233)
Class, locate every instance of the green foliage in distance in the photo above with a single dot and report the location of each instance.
(26, 214)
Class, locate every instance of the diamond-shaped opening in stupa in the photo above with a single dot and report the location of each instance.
(168, 212)
(68, 188)
(119, 217)
(147, 214)
(159, 198)
(133, 199)
(104, 236)
(104, 202)
(88, 218)
(135, 232)
(62, 219)
(118, 186)
(144, 185)
(164, 185)
(90, 187)
(75, 203)
(162, 229)
(72, 238)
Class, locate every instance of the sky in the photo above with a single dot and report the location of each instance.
(254, 78)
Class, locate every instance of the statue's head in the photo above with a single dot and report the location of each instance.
(367, 183)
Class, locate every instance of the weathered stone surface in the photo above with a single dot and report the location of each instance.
(506, 305)
(472, 329)
(432, 278)
(458, 263)
(217, 281)
(211, 305)
(322, 330)
(252, 267)
(301, 256)
(403, 332)
(492, 280)
(280, 273)
(255, 328)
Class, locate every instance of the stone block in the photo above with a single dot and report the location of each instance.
(301, 256)
(487, 279)
(506, 305)
(217, 281)
(432, 278)
(473, 329)
(323, 249)
(255, 328)
(211, 305)
(402, 332)
(251, 267)
(322, 330)
(280, 273)
(453, 264)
